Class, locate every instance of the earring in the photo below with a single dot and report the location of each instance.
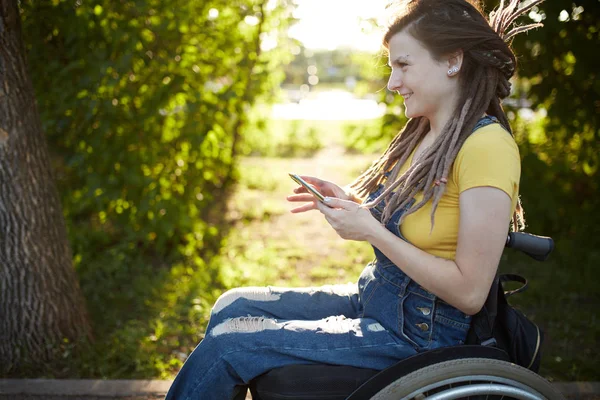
(452, 71)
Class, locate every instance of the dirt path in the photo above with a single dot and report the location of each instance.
(302, 241)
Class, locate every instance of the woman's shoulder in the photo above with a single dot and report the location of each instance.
(489, 151)
(491, 137)
(489, 157)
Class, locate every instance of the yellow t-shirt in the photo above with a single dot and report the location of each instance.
(489, 157)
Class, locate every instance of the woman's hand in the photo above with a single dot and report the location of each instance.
(326, 188)
(350, 221)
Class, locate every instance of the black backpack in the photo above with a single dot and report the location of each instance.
(501, 325)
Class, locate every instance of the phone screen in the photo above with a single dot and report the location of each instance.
(308, 187)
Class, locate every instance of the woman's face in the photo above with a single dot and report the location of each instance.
(421, 80)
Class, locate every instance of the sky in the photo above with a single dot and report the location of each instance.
(330, 24)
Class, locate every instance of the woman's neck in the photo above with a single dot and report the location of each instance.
(443, 114)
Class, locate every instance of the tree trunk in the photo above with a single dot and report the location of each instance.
(40, 300)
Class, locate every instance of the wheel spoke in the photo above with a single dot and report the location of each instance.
(470, 382)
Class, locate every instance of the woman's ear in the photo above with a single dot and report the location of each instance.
(455, 60)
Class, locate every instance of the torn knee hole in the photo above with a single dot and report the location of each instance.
(245, 325)
(250, 293)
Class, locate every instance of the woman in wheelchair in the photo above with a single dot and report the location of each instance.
(436, 207)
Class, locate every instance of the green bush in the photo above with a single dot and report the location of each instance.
(285, 138)
(365, 137)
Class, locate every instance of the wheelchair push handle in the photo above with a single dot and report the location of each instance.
(537, 247)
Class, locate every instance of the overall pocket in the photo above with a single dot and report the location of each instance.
(367, 286)
(451, 325)
(416, 319)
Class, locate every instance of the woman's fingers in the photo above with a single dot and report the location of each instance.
(312, 180)
(309, 199)
(300, 197)
(306, 207)
(300, 189)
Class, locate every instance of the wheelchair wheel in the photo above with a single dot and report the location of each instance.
(470, 377)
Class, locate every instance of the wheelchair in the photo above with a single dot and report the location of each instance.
(465, 371)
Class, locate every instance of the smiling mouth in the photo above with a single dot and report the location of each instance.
(406, 95)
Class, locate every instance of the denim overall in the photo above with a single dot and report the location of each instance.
(374, 323)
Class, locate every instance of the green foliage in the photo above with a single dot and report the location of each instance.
(142, 109)
(559, 71)
(146, 105)
(334, 67)
(365, 137)
(300, 143)
(301, 138)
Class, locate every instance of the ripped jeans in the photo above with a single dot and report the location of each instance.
(382, 319)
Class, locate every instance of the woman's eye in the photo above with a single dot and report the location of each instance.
(400, 65)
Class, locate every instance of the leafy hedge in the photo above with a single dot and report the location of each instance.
(144, 104)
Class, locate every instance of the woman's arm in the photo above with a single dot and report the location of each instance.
(465, 282)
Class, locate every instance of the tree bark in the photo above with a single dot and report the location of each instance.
(40, 300)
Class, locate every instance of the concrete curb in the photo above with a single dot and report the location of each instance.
(84, 387)
(130, 388)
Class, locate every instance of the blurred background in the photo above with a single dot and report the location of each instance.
(172, 126)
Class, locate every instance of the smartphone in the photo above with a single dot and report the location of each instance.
(308, 187)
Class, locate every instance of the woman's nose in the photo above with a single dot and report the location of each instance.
(394, 83)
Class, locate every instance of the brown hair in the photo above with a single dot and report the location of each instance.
(445, 27)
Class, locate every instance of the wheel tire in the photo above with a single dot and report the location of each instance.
(479, 370)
